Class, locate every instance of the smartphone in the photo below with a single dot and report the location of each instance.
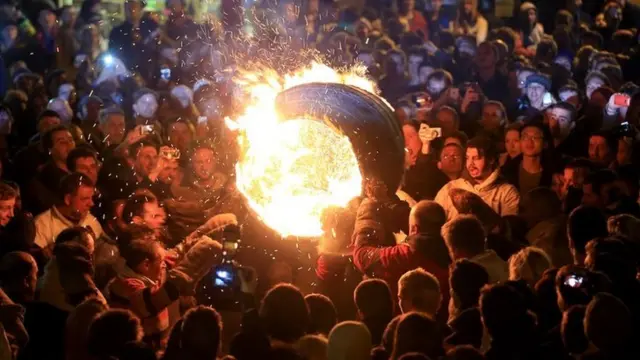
(202, 120)
(224, 276)
(146, 129)
(574, 281)
(165, 74)
(622, 100)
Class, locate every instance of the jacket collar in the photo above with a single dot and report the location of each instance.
(489, 182)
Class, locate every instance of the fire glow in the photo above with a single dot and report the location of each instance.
(290, 170)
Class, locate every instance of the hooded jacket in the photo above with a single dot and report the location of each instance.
(501, 196)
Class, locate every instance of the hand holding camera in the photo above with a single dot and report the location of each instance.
(428, 134)
(618, 101)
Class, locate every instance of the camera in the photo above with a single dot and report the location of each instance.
(429, 132)
(225, 275)
(574, 281)
(414, 103)
(165, 74)
(146, 129)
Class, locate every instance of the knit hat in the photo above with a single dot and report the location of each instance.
(538, 79)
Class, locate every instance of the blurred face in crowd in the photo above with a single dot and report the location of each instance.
(424, 73)
(155, 266)
(574, 177)
(88, 166)
(522, 80)
(512, 143)
(451, 161)
(533, 16)
(63, 143)
(133, 10)
(47, 20)
(6, 210)
(435, 87)
(591, 198)
(169, 172)
(153, 216)
(80, 203)
(146, 160)
(203, 163)
(560, 122)
(446, 119)
(146, 106)
(492, 117)
(9, 35)
(48, 122)
(469, 7)
(114, 128)
(486, 56)
(477, 166)
(599, 151)
(593, 84)
(180, 135)
(5, 123)
(175, 6)
(531, 141)
(535, 93)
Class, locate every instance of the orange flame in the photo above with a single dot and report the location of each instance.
(292, 170)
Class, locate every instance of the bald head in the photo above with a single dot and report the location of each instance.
(18, 276)
(426, 216)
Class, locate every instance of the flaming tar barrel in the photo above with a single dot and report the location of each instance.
(367, 120)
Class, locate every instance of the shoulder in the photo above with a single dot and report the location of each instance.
(45, 216)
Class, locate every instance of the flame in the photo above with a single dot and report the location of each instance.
(290, 171)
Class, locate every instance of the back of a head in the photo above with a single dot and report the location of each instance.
(466, 279)
(111, 331)
(625, 225)
(546, 201)
(322, 314)
(285, 313)
(429, 216)
(389, 335)
(529, 264)
(373, 299)
(201, 333)
(70, 184)
(313, 347)
(464, 352)
(572, 330)
(349, 340)
(608, 323)
(16, 266)
(421, 289)
(585, 223)
(465, 234)
(417, 332)
(504, 309)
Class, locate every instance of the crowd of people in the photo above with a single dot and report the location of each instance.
(515, 232)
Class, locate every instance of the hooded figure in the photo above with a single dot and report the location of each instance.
(531, 30)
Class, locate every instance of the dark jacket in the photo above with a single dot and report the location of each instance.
(511, 171)
(117, 180)
(135, 51)
(423, 180)
(43, 190)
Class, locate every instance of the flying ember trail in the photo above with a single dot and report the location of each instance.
(290, 170)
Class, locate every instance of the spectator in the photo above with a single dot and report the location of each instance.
(17, 230)
(144, 209)
(77, 193)
(78, 324)
(285, 314)
(322, 314)
(313, 347)
(417, 332)
(531, 30)
(585, 223)
(375, 306)
(419, 291)
(602, 149)
(465, 237)
(349, 340)
(84, 161)
(511, 143)
(103, 341)
(482, 178)
(470, 22)
(111, 128)
(201, 333)
(529, 264)
(18, 276)
(608, 326)
(451, 161)
(562, 117)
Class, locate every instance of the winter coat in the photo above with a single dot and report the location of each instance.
(550, 235)
(501, 196)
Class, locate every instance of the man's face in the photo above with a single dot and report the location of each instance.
(154, 215)
(447, 121)
(169, 172)
(599, 151)
(535, 93)
(522, 80)
(491, 117)
(412, 143)
(435, 87)
(592, 85)
(591, 198)
(204, 164)
(477, 166)
(134, 11)
(146, 160)
(531, 141)
(63, 143)
(451, 159)
(81, 202)
(48, 122)
(114, 128)
(485, 57)
(560, 122)
(180, 135)
(6, 210)
(512, 143)
(574, 177)
(88, 166)
(146, 106)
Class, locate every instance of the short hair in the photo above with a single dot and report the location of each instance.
(485, 147)
(111, 330)
(313, 346)
(441, 75)
(322, 313)
(566, 106)
(419, 286)
(466, 279)
(135, 206)
(201, 333)
(135, 147)
(461, 136)
(417, 332)
(70, 184)
(15, 266)
(48, 113)
(599, 179)
(47, 137)
(284, 313)
(465, 233)
(608, 323)
(357, 346)
(79, 153)
(529, 264)
(612, 141)
(597, 74)
(579, 163)
(137, 251)
(584, 224)
(429, 215)
(105, 113)
(7, 192)
(373, 298)
(503, 309)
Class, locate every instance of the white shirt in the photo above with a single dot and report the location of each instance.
(51, 223)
